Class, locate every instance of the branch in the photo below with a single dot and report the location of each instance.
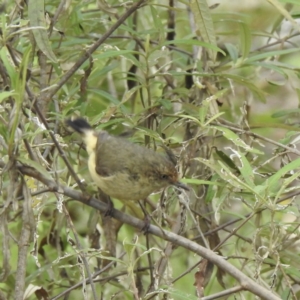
(24, 242)
(246, 282)
(94, 47)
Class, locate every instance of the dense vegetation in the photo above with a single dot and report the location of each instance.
(218, 85)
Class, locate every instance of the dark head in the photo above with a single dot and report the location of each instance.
(80, 125)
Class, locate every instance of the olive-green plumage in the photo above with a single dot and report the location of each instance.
(122, 169)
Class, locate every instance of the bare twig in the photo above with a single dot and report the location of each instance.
(79, 284)
(224, 293)
(81, 252)
(246, 282)
(94, 47)
(24, 241)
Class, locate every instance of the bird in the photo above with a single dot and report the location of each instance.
(122, 169)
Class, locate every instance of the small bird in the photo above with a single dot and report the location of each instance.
(122, 169)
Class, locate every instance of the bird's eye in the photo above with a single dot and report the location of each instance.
(164, 176)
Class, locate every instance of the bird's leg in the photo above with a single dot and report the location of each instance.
(110, 206)
(147, 219)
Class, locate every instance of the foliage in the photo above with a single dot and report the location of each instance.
(219, 86)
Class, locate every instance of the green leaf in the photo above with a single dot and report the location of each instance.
(157, 22)
(286, 112)
(114, 53)
(232, 180)
(274, 181)
(211, 191)
(35, 165)
(231, 136)
(194, 42)
(20, 92)
(247, 83)
(200, 181)
(227, 160)
(245, 168)
(4, 95)
(105, 95)
(10, 68)
(285, 184)
(270, 54)
(285, 13)
(38, 25)
(268, 65)
(245, 40)
(204, 24)
(233, 52)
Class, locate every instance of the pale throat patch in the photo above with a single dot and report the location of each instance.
(90, 140)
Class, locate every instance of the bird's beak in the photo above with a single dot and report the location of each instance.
(181, 185)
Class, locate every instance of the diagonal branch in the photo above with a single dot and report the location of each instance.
(246, 282)
(94, 47)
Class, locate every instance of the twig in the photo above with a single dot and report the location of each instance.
(82, 254)
(93, 48)
(23, 244)
(224, 293)
(86, 281)
(246, 282)
(249, 133)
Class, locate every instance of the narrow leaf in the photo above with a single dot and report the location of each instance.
(285, 13)
(4, 95)
(204, 23)
(273, 181)
(245, 39)
(234, 138)
(36, 14)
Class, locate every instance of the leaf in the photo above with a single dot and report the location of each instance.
(285, 185)
(245, 39)
(4, 95)
(200, 181)
(284, 12)
(270, 54)
(108, 9)
(286, 112)
(232, 180)
(245, 168)
(114, 53)
(204, 24)
(268, 65)
(9, 67)
(194, 42)
(105, 95)
(157, 22)
(273, 181)
(36, 14)
(291, 1)
(234, 138)
(211, 188)
(20, 92)
(227, 160)
(246, 82)
(232, 50)
(278, 22)
(35, 165)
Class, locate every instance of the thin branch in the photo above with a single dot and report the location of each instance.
(249, 133)
(23, 244)
(94, 47)
(224, 293)
(87, 281)
(231, 222)
(245, 281)
(82, 254)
